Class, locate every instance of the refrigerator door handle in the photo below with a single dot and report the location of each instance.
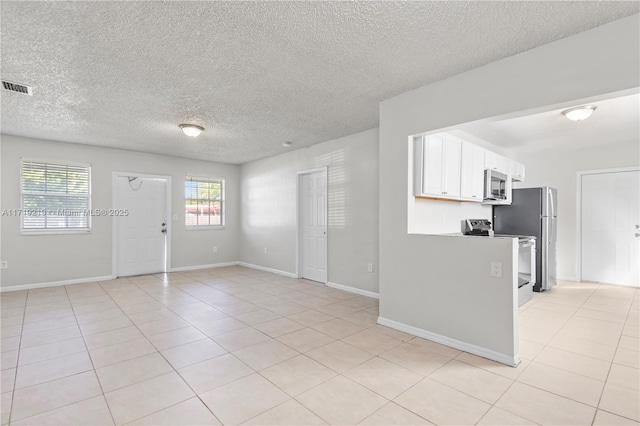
(548, 234)
(553, 214)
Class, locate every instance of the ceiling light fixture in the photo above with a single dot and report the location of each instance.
(287, 143)
(579, 113)
(191, 129)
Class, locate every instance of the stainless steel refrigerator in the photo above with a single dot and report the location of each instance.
(533, 212)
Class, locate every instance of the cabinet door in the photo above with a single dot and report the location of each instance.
(490, 160)
(517, 171)
(418, 166)
(472, 172)
(521, 172)
(503, 164)
(451, 166)
(432, 164)
(494, 161)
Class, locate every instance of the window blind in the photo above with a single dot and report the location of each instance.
(55, 196)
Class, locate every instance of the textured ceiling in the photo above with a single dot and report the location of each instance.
(615, 120)
(254, 74)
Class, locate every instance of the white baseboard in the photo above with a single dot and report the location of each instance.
(354, 290)
(103, 278)
(621, 285)
(575, 279)
(567, 278)
(56, 283)
(196, 267)
(263, 268)
(111, 277)
(457, 344)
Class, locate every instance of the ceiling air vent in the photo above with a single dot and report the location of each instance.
(20, 88)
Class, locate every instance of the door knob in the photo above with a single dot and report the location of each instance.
(164, 230)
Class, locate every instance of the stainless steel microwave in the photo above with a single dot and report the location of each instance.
(495, 185)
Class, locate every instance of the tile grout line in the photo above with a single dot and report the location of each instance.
(176, 371)
(530, 362)
(612, 361)
(15, 377)
(265, 378)
(593, 291)
(71, 375)
(154, 295)
(149, 378)
(95, 373)
(560, 329)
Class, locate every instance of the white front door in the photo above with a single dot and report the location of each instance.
(313, 220)
(141, 234)
(611, 227)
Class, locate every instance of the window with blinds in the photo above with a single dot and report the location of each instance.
(55, 196)
(204, 202)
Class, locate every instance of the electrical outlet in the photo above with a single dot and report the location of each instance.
(496, 269)
(265, 250)
(175, 217)
(4, 264)
(369, 267)
(215, 249)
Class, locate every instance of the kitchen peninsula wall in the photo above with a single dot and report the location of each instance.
(419, 273)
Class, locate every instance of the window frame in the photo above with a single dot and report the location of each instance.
(223, 215)
(54, 231)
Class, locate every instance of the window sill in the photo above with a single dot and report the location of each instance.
(54, 231)
(205, 228)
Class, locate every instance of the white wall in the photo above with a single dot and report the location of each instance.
(603, 60)
(558, 168)
(43, 258)
(269, 208)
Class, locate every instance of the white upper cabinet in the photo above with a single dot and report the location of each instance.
(493, 161)
(451, 161)
(449, 168)
(437, 162)
(472, 172)
(433, 155)
(517, 171)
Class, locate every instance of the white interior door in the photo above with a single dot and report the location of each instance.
(611, 227)
(142, 234)
(313, 220)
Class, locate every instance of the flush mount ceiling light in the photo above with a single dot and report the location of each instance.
(191, 129)
(579, 113)
(287, 143)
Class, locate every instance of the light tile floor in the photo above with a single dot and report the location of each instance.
(239, 346)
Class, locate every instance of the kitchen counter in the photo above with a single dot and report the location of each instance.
(460, 234)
